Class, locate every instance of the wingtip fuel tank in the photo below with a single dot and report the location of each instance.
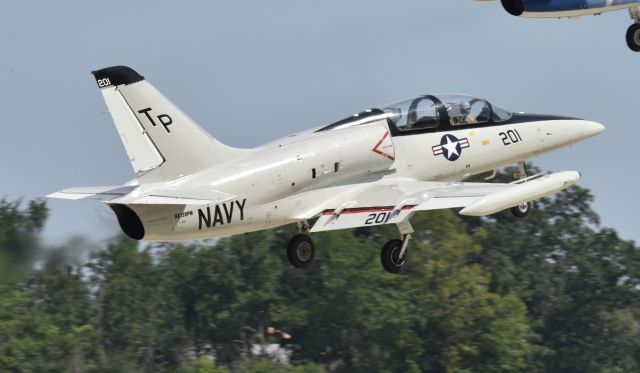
(522, 193)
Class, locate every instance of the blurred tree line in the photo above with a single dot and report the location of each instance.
(550, 293)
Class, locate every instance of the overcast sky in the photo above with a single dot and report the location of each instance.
(252, 71)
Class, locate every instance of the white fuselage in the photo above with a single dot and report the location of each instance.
(281, 181)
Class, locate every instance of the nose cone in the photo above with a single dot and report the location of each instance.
(564, 132)
(590, 129)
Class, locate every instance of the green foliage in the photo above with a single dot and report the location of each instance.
(576, 280)
(552, 292)
(266, 366)
(19, 244)
(202, 365)
(34, 336)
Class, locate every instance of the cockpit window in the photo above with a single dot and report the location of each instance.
(418, 113)
(465, 110)
(499, 114)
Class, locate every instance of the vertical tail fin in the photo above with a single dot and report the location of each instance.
(162, 142)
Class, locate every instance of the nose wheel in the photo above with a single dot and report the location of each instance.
(522, 210)
(394, 253)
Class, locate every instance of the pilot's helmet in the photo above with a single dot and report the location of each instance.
(465, 107)
(456, 109)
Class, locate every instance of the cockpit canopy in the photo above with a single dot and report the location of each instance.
(429, 112)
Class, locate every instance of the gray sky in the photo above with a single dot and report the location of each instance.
(252, 71)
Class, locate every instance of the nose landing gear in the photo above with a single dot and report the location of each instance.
(522, 210)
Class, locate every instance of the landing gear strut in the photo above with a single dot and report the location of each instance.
(394, 252)
(301, 250)
(633, 32)
(522, 209)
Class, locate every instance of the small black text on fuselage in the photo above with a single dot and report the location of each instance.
(184, 214)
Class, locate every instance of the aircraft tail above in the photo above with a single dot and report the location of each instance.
(162, 142)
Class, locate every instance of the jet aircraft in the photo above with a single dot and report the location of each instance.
(577, 8)
(379, 166)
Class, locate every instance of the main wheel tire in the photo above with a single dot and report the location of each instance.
(390, 256)
(522, 210)
(633, 37)
(300, 250)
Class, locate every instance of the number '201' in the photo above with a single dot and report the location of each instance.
(510, 137)
(378, 218)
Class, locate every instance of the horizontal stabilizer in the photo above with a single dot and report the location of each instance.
(160, 200)
(174, 196)
(101, 193)
(129, 195)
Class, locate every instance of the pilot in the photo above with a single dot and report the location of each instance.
(468, 119)
(460, 113)
(465, 113)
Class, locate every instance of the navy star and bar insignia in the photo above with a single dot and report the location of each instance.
(450, 147)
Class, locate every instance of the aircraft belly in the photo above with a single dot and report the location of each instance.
(571, 9)
(555, 5)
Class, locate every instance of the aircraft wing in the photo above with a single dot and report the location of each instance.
(394, 200)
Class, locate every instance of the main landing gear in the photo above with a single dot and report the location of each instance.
(633, 32)
(393, 256)
(301, 250)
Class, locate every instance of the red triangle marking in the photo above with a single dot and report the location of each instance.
(376, 149)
